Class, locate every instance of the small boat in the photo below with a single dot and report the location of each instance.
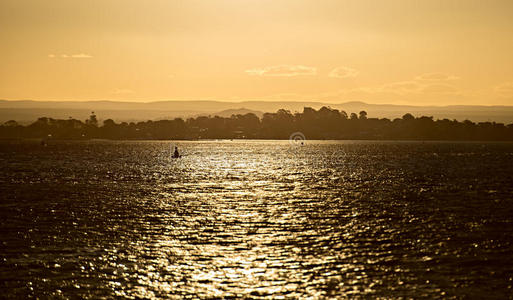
(176, 154)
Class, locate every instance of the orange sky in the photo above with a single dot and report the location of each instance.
(394, 51)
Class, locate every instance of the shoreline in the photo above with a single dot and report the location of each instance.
(306, 141)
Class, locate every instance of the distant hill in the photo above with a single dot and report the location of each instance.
(229, 112)
(475, 113)
(26, 111)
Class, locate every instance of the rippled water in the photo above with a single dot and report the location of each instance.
(256, 219)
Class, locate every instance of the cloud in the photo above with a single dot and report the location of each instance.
(505, 89)
(427, 84)
(343, 72)
(436, 77)
(283, 71)
(122, 91)
(445, 89)
(400, 87)
(408, 90)
(79, 55)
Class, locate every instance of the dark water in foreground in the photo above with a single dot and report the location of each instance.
(256, 219)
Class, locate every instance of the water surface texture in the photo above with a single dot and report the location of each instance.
(256, 219)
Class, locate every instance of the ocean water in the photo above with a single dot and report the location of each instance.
(256, 219)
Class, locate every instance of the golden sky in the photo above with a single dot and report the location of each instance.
(377, 51)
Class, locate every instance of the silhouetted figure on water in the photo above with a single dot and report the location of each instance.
(176, 154)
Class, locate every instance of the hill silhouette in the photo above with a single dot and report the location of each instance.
(230, 112)
(325, 123)
(27, 111)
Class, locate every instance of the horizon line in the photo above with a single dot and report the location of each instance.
(249, 101)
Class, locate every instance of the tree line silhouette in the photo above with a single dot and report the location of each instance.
(325, 123)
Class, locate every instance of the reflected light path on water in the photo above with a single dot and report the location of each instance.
(257, 219)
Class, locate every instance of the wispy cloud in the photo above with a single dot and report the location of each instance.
(408, 90)
(440, 89)
(78, 55)
(505, 89)
(429, 83)
(81, 55)
(284, 71)
(436, 77)
(400, 87)
(415, 88)
(122, 92)
(343, 72)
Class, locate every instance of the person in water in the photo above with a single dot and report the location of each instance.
(176, 154)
